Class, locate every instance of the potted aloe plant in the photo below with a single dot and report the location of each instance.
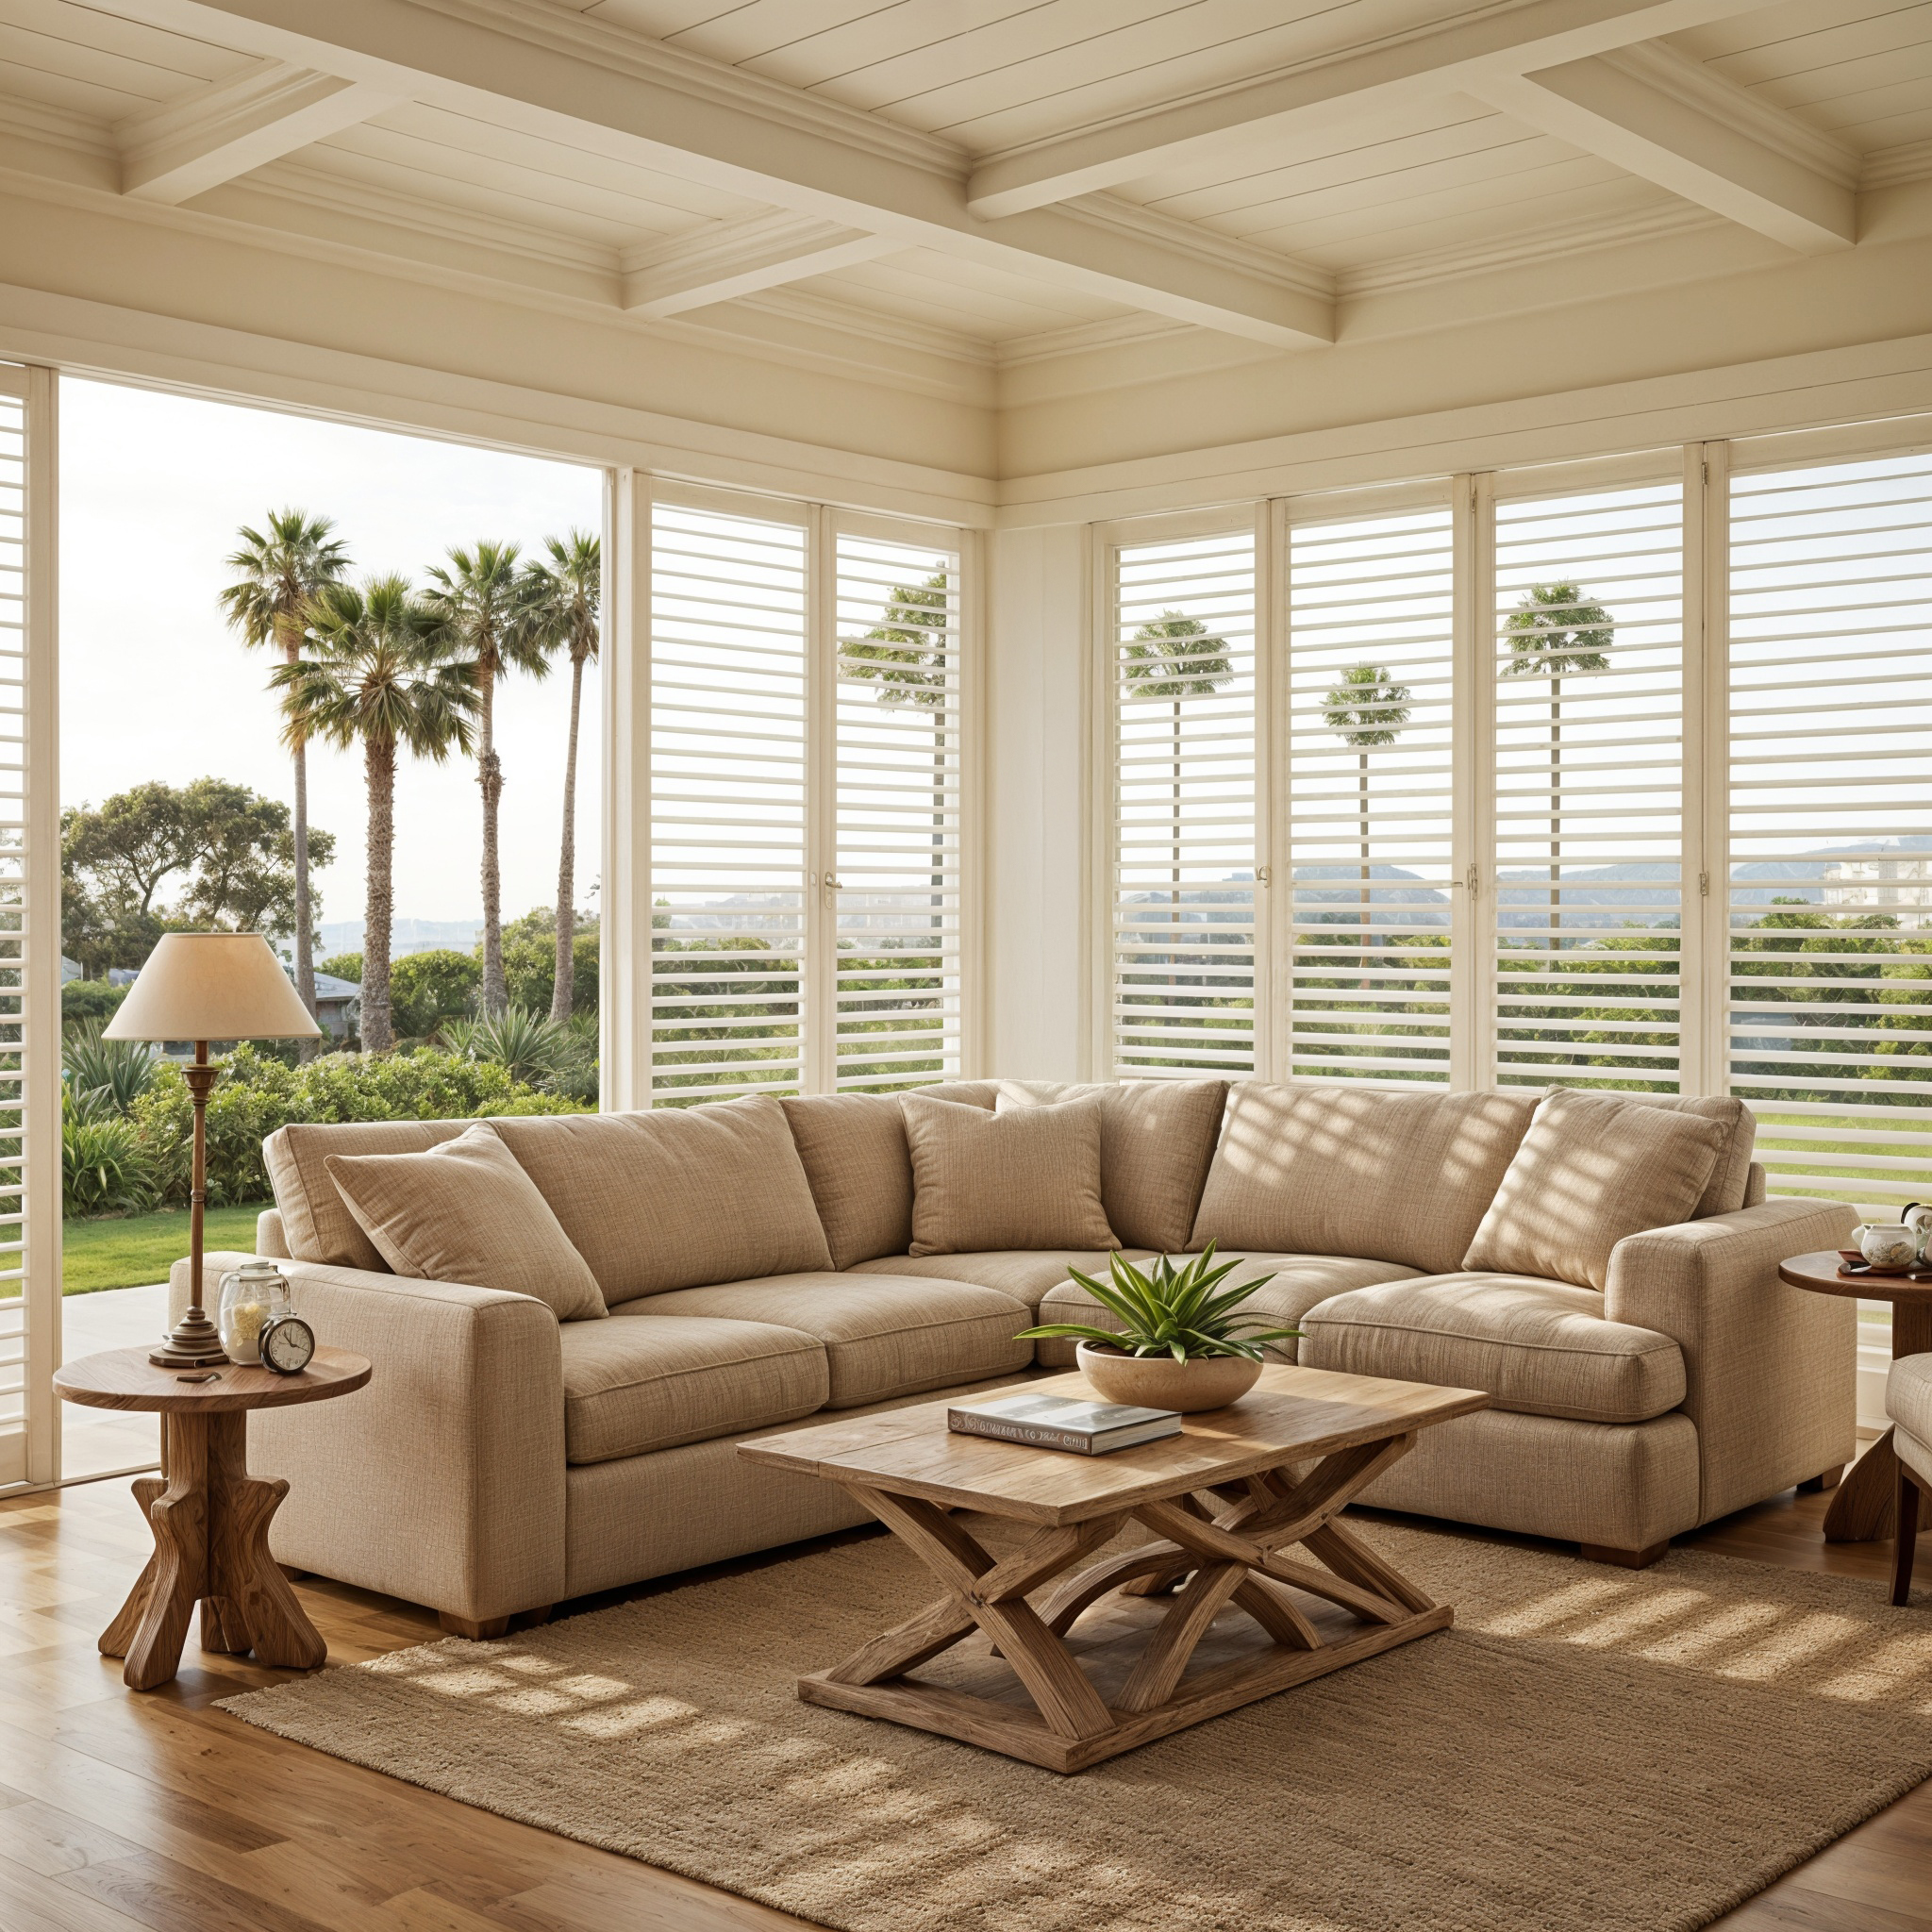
(1180, 1346)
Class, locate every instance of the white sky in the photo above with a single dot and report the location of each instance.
(153, 489)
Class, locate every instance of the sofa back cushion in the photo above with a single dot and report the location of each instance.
(1342, 1169)
(1593, 1168)
(853, 1147)
(1026, 1179)
(1729, 1186)
(676, 1197)
(1156, 1142)
(316, 1225)
(465, 1212)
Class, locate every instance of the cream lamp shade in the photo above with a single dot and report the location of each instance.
(211, 986)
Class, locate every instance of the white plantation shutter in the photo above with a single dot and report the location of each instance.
(1370, 670)
(1183, 713)
(1831, 813)
(1588, 812)
(895, 890)
(728, 769)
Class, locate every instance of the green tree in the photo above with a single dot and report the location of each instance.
(1557, 632)
(563, 603)
(277, 569)
(430, 986)
(377, 677)
(1365, 706)
(480, 604)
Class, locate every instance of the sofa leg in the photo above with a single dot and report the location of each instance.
(1626, 1559)
(1818, 1484)
(476, 1631)
(1904, 1542)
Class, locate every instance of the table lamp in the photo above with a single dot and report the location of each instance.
(204, 986)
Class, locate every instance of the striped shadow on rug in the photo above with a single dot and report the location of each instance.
(1590, 1750)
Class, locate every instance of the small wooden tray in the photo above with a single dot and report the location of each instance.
(1854, 1267)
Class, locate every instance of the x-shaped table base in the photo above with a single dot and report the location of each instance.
(1228, 1553)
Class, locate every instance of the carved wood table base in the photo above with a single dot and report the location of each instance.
(1224, 1553)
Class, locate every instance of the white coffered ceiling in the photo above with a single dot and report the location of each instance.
(986, 175)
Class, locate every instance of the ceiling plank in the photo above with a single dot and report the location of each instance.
(736, 258)
(1241, 126)
(1657, 114)
(567, 78)
(188, 146)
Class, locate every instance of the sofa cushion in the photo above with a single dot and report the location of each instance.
(676, 1196)
(1908, 1397)
(465, 1212)
(1593, 1168)
(883, 1335)
(316, 1223)
(1344, 1170)
(1537, 1347)
(853, 1147)
(1729, 1186)
(1026, 1274)
(633, 1387)
(1300, 1282)
(1157, 1140)
(1027, 1178)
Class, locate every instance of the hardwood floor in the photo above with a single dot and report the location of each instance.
(120, 1810)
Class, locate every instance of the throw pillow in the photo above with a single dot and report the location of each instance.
(1026, 1179)
(854, 1149)
(1592, 1169)
(465, 1212)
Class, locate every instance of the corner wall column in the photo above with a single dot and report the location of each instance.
(623, 1001)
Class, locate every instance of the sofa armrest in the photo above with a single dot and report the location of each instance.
(1770, 1371)
(443, 1481)
(271, 1237)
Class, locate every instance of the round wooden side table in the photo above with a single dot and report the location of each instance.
(209, 1516)
(1862, 1509)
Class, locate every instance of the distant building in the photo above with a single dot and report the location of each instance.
(1900, 886)
(337, 1005)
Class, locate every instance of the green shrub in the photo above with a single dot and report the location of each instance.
(106, 1075)
(529, 966)
(426, 989)
(82, 1000)
(342, 966)
(104, 1167)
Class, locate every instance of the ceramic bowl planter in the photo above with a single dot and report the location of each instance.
(1158, 1381)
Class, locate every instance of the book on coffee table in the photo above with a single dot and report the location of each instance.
(1055, 1422)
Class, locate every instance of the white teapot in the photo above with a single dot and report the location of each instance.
(1890, 1247)
(1919, 1219)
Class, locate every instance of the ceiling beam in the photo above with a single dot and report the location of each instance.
(1248, 123)
(1665, 118)
(564, 77)
(740, 258)
(188, 146)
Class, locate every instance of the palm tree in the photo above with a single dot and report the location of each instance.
(1365, 706)
(1553, 633)
(562, 608)
(277, 573)
(480, 608)
(377, 673)
(1174, 657)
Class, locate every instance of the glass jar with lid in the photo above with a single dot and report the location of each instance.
(252, 1295)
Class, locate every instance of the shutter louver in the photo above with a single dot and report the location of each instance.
(15, 1310)
(895, 892)
(728, 803)
(1183, 916)
(1830, 888)
(1370, 664)
(1590, 707)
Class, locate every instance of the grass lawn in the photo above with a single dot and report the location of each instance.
(131, 1250)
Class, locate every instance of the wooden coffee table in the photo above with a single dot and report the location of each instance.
(208, 1515)
(1224, 1507)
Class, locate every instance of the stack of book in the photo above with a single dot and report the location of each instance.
(1055, 1422)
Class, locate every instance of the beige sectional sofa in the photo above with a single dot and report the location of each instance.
(765, 1261)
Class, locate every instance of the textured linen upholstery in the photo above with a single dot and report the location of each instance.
(1770, 1372)
(633, 1387)
(315, 1223)
(1908, 1403)
(860, 1169)
(1537, 1347)
(1026, 1179)
(442, 1482)
(270, 1244)
(1591, 1168)
(1157, 1141)
(1729, 1186)
(1755, 1188)
(677, 1196)
(1300, 1282)
(1623, 1486)
(466, 1211)
(883, 1335)
(1025, 1274)
(1358, 1171)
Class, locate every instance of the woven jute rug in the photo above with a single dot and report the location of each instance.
(1588, 1749)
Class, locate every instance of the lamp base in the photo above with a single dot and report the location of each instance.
(193, 1342)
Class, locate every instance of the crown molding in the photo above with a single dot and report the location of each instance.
(58, 127)
(1892, 167)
